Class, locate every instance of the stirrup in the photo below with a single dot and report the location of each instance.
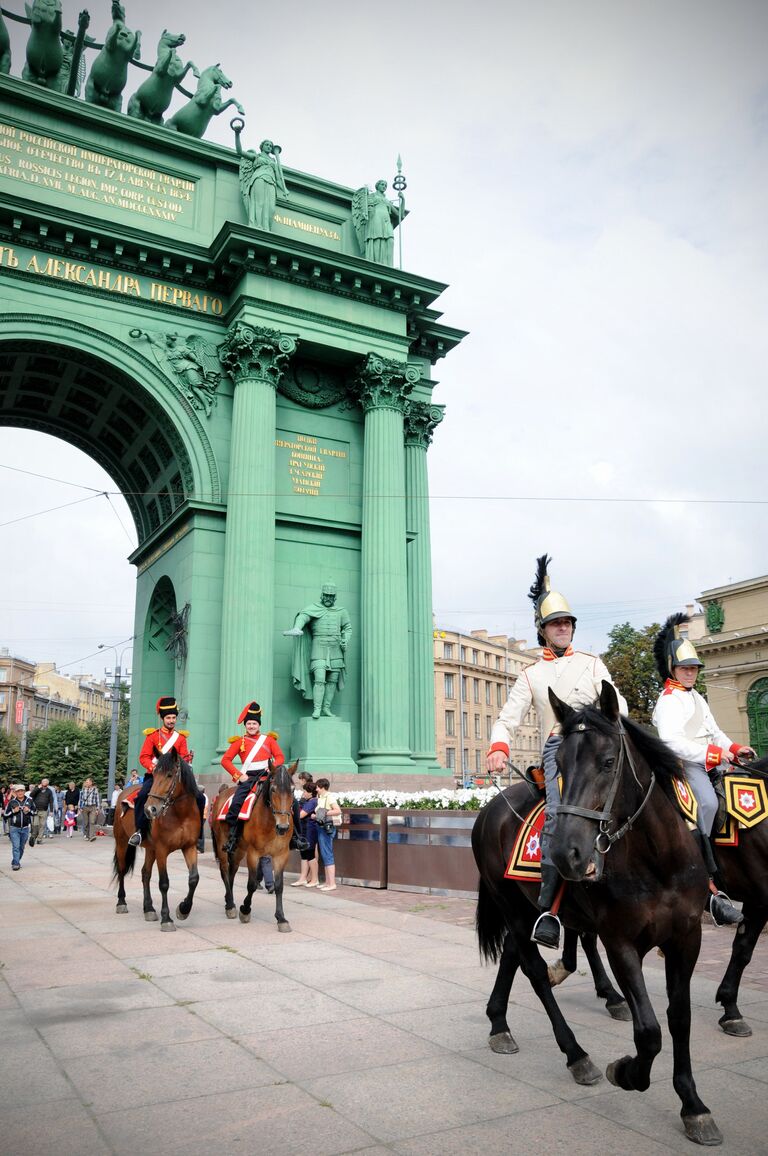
(546, 930)
(135, 839)
(723, 911)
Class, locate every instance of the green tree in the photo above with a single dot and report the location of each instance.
(66, 751)
(629, 658)
(10, 757)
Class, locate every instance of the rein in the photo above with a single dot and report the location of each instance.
(275, 813)
(167, 799)
(605, 839)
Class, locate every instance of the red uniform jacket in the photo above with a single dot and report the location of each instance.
(153, 745)
(240, 747)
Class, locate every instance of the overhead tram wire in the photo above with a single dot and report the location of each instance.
(52, 510)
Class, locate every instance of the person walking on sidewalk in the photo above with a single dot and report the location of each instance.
(19, 813)
(88, 807)
(42, 797)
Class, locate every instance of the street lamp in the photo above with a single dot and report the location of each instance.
(115, 715)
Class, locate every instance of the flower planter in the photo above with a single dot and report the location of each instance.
(431, 852)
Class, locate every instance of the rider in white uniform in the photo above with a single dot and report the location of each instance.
(686, 724)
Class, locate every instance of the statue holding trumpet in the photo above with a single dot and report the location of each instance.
(261, 178)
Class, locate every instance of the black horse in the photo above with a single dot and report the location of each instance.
(743, 872)
(636, 879)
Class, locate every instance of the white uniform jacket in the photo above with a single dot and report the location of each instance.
(698, 740)
(577, 678)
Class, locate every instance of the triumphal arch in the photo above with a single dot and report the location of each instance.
(234, 342)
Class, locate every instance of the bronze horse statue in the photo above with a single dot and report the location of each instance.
(45, 51)
(193, 119)
(175, 826)
(636, 878)
(267, 831)
(152, 99)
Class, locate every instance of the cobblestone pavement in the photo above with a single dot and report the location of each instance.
(361, 1031)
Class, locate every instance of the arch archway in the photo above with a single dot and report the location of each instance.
(757, 713)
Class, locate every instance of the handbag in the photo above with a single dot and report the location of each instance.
(320, 814)
(50, 823)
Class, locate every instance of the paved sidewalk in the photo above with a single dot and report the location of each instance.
(361, 1031)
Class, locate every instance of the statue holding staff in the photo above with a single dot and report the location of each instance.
(261, 178)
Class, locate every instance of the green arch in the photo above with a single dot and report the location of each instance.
(757, 713)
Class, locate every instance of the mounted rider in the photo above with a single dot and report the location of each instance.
(577, 678)
(159, 741)
(686, 724)
(254, 750)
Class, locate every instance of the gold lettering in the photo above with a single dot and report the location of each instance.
(8, 257)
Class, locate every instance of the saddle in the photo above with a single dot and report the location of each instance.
(524, 864)
(746, 805)
(248, 803)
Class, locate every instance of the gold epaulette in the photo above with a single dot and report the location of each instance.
(273, 735)
(185, 734)
(150, 730)
(234, 738)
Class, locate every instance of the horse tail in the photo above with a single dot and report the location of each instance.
(130, 862)
(490, 925)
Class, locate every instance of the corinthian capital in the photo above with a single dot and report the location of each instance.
(382, 383)
(420, 422)
(252, 352)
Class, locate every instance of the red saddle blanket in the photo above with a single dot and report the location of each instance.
(130, 800)
(247, 807)
(524, 864)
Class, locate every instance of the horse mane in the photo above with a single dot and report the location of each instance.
(165, 766)
(282, 778)
(659, 757)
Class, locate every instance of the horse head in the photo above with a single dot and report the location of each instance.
(213, 77)
(280, 796)
(590, 760)
(173, 777)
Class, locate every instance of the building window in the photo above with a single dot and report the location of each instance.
(476, 690)
(487, 694)
(450, 723)
(499, 695)
(475, 657)
(477, 762)
(465, 759)
(450, 758)
(499, 662)
(464, 689)
(488, 727)
(449, 689)
(477, 726)
(464, 724)
(463, 653)
(447, 650)
(3, 674)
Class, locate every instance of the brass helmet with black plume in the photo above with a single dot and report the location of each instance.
(548, 603)
(671, 649)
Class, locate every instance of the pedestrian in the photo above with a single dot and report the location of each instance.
(19, 812)
(688, 727)
(42, 797)
(70, 819)
(113, 802)
(71, 799)
(88, 806)
(327, 818)
(307, 807)
(134, 780)
(576, 678)
(58, 809)
(5, 794)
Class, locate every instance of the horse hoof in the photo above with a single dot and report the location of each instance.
(585, 1072)
(557, 973)
(169, 926)
(611, 1071)
(150, 916)
(122, 909)
(503, 1043)
(619, 1011)
(737, 1027)
(702, 1129)
(182, 915)
(230, 912)
(284, 927)
(245, 916)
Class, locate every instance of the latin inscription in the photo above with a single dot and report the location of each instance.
(48, 163)
(109, 280)
(309, 459)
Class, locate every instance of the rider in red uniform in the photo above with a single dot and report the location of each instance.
(254, 751)
(158, 741)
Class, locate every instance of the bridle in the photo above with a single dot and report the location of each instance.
(282, 814)
(605, 838)
(168, 798)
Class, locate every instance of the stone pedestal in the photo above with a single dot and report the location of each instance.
(324, 746)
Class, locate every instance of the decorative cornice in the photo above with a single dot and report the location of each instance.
(382, 383)
(252, 352)
(420, 422)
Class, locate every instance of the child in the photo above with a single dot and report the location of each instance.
(70, 818)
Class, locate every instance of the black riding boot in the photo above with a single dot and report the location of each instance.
(546, 929)
(719, 906)
(234, 834)
(201, 836)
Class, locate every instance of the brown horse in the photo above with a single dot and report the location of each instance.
(744, 875)
(267, 832)
(637, 879)
(175, 826)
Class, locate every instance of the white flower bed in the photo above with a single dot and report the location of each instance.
(460, 800)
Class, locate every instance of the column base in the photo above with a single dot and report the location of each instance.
(386, 763)
(428, 765)
(323, 746)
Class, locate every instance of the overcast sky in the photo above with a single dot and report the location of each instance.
(590, 178)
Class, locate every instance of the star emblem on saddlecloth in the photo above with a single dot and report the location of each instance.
(532, 846)
(747, 800)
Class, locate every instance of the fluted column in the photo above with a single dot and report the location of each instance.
(255, 359)
(420, 422)
(382, 387)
